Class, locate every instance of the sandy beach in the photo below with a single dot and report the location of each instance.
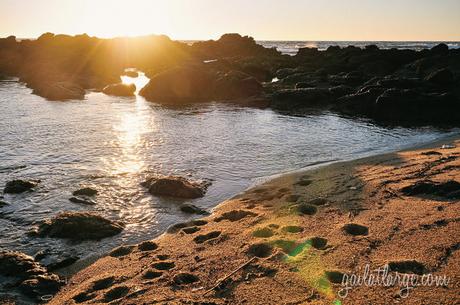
(298, 239)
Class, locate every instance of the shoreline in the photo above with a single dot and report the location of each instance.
(224, 242)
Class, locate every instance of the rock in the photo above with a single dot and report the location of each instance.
(235, 85)
(120, 89)
(197, 84)
(82, 201)
(180, 85)
(440, 49)
(358, 103)
(307, 97)
(3, 203)
(78, 226)
(131, 73)
(87, 191)
(40, 285)
(19, 186)
(174, 186)
(412, 106)
(17, 264)
(59, 91)
(441, 77)
(192, 209)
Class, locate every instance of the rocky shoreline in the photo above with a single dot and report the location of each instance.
(403, 87)
(294, 238)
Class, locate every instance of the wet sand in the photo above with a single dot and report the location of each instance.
(290, 240)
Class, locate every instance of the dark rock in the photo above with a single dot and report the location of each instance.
(181, 85)
(362, 103)
(441, 77)
(81, 201)
(35, 280)
(17, 264)
(174, 186)
(192, 209)
(120, 89)
(19, 186)
(87, 191)
(59, 91)
(307, 97)
(440, 49)
(78, 226)
(410, 105)
(235, 85)
(40, 285)
(198, 84)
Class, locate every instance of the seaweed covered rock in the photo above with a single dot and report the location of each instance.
(78, 226)
(174, 186)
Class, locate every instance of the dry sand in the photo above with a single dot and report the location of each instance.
(298, 226)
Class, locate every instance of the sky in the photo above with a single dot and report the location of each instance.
(313, 20)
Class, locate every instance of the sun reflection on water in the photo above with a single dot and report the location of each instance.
(129, 130)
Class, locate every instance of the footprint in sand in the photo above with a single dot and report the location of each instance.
(408, 266)
(261, 250)
(355, 229)
(152, 274)
(122, 251)
(185, 279)
(147, 246)
(234, 215)
(263, 233)
(164, 265)
(191, 230)
(116, 293)
(318, 243)
(179, 226)
(307, 209)
(335, 277)
(292, 229)
(205, 237)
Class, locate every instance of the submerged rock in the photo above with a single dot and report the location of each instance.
(19, 186)
(78, 226)
(174, 186)
(86, 191)
(120, 89)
